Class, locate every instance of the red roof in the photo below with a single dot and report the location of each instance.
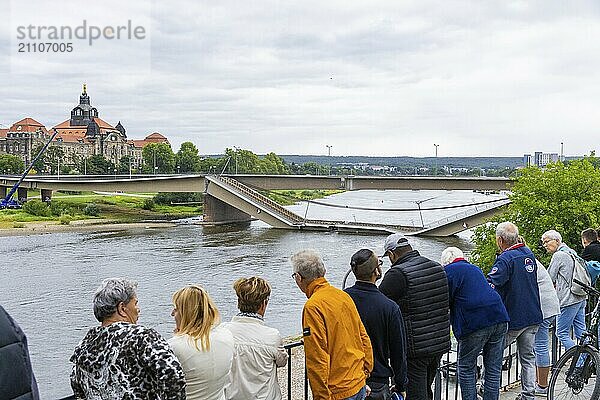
(76, 136)
(67, 125)
(3, 133)
(27, 125)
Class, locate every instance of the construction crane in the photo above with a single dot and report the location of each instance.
(8, 201)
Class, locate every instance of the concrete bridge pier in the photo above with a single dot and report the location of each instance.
(22, 194)
(219, 212)
(46, 194)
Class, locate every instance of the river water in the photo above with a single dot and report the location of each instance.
(47, 281)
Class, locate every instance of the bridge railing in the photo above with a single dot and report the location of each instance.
(465, 214)
(261, 199)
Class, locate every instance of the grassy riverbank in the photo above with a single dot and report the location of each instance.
(67, 208)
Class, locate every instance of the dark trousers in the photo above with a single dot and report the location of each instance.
(421, 373)
(379, 391)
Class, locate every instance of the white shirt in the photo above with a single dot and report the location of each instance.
(206, 372)
(258, 352)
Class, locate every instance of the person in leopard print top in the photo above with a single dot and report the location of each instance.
(120, 359)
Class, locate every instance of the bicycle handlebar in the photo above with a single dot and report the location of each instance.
(587, 288)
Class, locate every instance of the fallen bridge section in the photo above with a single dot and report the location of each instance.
(253, 204)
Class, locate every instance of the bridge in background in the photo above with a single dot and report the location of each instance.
(233, 198)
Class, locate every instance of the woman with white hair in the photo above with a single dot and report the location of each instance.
(479, 322)
(120, 359)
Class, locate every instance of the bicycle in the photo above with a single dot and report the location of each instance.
(575, 375)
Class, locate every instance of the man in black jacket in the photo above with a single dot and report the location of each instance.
(383, 321)
(16, 376)
(420, 287)
(591, 246)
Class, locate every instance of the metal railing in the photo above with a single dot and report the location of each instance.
(446, 382)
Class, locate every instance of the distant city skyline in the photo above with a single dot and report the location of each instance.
(376, 78)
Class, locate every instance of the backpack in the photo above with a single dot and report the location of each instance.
(593, 269)
(580, 273)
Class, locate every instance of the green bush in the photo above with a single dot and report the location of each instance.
(65, 219)
(37, 208)
(92, 210)
(148, 204)
(174, 198)
(58, 208)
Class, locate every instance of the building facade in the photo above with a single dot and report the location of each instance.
(540, 159)
(81, 136)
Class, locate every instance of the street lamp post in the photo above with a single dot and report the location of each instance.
(178, 167)
(154, 154)
(236, 158)
(329, 155)
(436, 159)
(130, 160)
(58, 167)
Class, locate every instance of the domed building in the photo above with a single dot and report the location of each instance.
(81, 136)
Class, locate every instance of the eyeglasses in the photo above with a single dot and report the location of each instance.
(294, 275)
(546, 241)
(379, 262)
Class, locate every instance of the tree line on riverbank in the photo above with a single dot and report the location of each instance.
(160, 158)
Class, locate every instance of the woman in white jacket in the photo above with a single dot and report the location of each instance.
(258, 348)
(204, 349)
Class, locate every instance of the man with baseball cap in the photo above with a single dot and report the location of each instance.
(420, 287)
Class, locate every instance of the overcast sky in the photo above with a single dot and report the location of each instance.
(479, 78)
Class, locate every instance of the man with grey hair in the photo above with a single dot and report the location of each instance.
(514, 277)
(572, 306)
(120, 359)
(479, 322)
(420, 287)
(383, 321)
(338, 352)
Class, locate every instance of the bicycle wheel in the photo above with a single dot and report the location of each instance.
(573, 380)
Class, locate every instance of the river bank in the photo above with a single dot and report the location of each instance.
(82, 226)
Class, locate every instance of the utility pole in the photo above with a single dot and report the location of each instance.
(436, 157)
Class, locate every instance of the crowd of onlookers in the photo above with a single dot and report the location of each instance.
(364, 342)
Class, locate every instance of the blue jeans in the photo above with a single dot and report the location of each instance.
(490, 340)
(542, 354)
(361, 395)
(570, 316)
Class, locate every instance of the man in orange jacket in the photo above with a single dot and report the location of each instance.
(339, 356)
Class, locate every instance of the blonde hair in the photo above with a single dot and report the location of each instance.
(197, 314)
(251, 293)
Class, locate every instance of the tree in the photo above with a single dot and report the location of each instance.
(158, 155)
(561, 197)
(97, 165)
(10, 164)
(187, 158)
(273, 164)
(124, 163)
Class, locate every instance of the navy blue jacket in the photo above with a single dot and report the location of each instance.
(514, 276)
(383, 322)
(16, 376)
(474, 305)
